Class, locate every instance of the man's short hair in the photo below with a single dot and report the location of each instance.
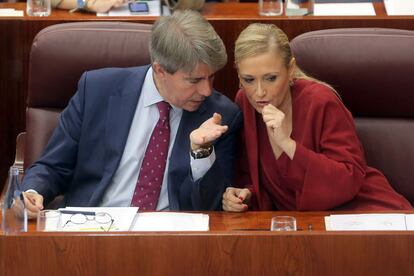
(185, 39)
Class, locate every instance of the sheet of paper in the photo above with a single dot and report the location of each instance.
(399, 7)
(365, 222)
(344, 9)
(11, 13)
(346, 1)
(153, 6)
(170, 221)
(123, 219)
(293, 9)
(409, 221)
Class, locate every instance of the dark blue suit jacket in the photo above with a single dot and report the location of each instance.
(85, 149)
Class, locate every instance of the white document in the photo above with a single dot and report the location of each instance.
(409, 221)
(293, 9)
(170, 221)
(344, 9)
(123, 218)
(366, 222)
(153, 6)
(399, 7)
(11, 13)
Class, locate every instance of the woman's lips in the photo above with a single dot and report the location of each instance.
(262, 103)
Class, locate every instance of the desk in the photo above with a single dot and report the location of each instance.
(221, 251)
(227, 18)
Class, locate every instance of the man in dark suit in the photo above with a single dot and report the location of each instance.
(102, 152)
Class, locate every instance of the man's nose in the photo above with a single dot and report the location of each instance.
(205, 88)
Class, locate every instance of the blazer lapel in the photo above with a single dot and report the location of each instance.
(119, 116)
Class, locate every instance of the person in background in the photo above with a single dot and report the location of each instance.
(300, 150)
(87, 5)
(145, 136)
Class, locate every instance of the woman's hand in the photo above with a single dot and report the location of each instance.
(274, 119)
(279, 131)
(236, 200)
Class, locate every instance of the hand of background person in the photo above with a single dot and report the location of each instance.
(236, 200)
(33, 202)
(208, 132)
(103, 5)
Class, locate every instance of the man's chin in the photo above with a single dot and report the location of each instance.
(192, 106)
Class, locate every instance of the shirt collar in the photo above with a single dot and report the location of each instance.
(149, 92)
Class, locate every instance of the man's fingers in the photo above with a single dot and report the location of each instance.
(203, 136)
(33, 201)
(31, 214)
(217, 118)
(208, 132)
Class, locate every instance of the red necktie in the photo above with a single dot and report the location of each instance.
(147, 190)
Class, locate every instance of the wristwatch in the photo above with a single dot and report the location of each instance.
(201, 153)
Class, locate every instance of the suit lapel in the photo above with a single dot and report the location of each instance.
(120, 113)
(119, 118)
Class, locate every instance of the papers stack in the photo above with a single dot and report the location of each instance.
(170, 221)
(123, 218)
(344, 9)
(11, 13)
(399, 7)
(370, 222)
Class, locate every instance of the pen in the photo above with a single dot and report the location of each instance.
(86, 213)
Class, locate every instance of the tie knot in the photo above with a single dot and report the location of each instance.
(164, 108)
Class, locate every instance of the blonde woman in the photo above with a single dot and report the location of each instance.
(299, 145)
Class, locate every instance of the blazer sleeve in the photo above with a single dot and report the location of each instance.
(332, 171)
(50, 175)
(206, 193)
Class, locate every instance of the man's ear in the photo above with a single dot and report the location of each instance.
(158, 70)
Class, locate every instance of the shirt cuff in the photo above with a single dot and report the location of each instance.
(31, 191)
(199, 167)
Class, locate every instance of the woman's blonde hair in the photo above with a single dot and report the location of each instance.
(261, 38)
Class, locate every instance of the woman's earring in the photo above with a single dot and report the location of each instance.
(290, 82)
